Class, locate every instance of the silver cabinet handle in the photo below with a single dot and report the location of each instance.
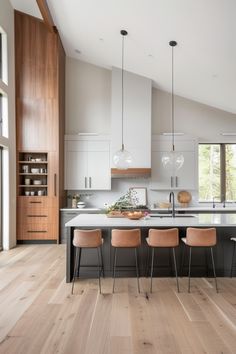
(176, 181)
(85, 182)
(55, 185)
(171, 181)
(90, 182)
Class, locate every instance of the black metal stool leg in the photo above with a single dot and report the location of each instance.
(214, 270)
(206, 261)
(137, 270)
(75, 269)
(189, 268)
(99, 272)
(153, 254)
(176, 273)
(170, 262)
(232, 264)
(78, 268)
(114, 270)
(101, 254)
(148, 261)
(182, 263)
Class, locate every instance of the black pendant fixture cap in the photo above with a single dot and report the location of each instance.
(123, 32)
(172, 43)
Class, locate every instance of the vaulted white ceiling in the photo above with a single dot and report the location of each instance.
(205, 58)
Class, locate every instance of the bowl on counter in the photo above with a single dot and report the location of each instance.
(80, 205)
(136, 215)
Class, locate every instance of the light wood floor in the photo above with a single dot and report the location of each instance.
(38, 314)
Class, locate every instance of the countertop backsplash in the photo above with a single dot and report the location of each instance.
(97, 199)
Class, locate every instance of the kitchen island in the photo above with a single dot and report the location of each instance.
(224, 223)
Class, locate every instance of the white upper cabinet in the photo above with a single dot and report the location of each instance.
(137, 117)
(164, 178)
(87, 164)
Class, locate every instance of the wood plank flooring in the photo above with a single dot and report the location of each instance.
(39, 315)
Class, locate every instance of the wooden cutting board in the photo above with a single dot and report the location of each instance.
(184, 198)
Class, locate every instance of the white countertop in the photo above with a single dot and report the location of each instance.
(84, 210)
(101, 220)
(198, 208)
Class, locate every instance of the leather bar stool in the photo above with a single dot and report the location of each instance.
(196, 237)
(232, 264)
(125, 239)
(163, 239)
(84, 239)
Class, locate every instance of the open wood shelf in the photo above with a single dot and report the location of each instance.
(33, 185)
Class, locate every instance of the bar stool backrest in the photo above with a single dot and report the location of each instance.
(126, 238)
(163, 238)
(87, 238)
(201, 237)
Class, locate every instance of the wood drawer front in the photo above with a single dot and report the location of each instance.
(40, 231)
(33, 218)
(36, 202)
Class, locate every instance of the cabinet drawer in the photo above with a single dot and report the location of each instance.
(33, 218)
(25, 202)
(39, 231)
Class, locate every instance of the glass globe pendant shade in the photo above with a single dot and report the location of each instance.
(173, 159)
(122, 159)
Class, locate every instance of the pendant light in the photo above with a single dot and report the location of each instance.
(173, 159)
(122, 158)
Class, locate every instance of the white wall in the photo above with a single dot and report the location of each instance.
(191, 118)
(88, 98)
(9, 172)
(88, 109)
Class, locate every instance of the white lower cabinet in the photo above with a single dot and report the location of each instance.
(86, 169)
(165, 179)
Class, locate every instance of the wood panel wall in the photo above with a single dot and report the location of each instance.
(40, 100)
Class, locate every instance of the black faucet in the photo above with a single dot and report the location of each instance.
(172, 199)
(213, 203)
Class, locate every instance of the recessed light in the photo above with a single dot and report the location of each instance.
(77, 51)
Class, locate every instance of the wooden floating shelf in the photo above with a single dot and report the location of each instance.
(33, 174)
(33, 162)
(32, 185)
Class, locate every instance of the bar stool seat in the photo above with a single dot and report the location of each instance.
(125, 239)
(232, 264)
(197, 237)
(84, 239)
(168, 238)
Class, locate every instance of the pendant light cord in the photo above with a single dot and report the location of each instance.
(122, 95)
(172, 102)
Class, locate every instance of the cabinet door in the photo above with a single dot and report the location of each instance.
(76, 167)
(162, 178)
(99, 172)
(185, 177)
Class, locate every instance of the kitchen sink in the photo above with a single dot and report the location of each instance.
(170, 216)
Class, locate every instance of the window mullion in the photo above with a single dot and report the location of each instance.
(222, 173)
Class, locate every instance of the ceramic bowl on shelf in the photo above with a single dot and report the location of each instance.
(37, 182)
(34, 170)
(27, 193)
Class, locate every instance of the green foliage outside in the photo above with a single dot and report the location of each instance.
(210, 172)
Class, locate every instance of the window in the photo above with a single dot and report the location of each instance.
(3, 56)
(217, 172)
(3, 115)
(0, 198)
